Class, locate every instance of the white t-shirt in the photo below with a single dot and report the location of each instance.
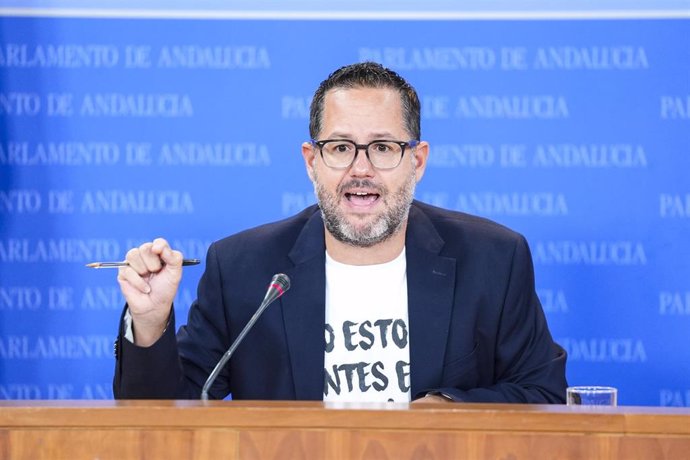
(367, 352)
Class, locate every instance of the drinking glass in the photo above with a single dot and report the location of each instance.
(592, 396)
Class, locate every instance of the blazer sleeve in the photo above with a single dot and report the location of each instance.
(529, 367)
(176, 367)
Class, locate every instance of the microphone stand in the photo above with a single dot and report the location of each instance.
(279, 284)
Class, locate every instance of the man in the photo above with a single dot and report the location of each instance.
(414, 301)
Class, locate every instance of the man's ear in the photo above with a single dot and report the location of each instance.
(421, 154)
(309, 155)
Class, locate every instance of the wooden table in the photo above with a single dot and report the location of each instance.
(314, 430)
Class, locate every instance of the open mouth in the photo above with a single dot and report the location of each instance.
(362, 198)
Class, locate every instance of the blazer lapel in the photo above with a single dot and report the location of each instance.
(430, 294)
(430, 290)
(304, 310)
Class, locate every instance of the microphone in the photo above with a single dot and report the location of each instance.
(279, 285)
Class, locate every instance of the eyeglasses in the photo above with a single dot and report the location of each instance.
(341, 153)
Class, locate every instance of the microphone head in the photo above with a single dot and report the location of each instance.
(281, 281)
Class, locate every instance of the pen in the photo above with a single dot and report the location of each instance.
(185, 263)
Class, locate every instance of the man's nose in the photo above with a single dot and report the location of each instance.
(361, 164)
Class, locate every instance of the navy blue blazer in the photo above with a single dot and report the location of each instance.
(477, 329)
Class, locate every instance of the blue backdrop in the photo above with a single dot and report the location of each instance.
(115, 131)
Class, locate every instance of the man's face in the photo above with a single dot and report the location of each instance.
(363, 206)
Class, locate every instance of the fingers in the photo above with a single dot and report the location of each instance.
(151, 257)
(432, 399)
(131, 282)
(147, 259)
(142, 262)
(171, 258)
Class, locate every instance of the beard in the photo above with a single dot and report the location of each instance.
(357, 232)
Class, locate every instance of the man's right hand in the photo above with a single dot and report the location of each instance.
(149, 285)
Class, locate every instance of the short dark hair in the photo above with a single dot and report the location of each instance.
(367, 75)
